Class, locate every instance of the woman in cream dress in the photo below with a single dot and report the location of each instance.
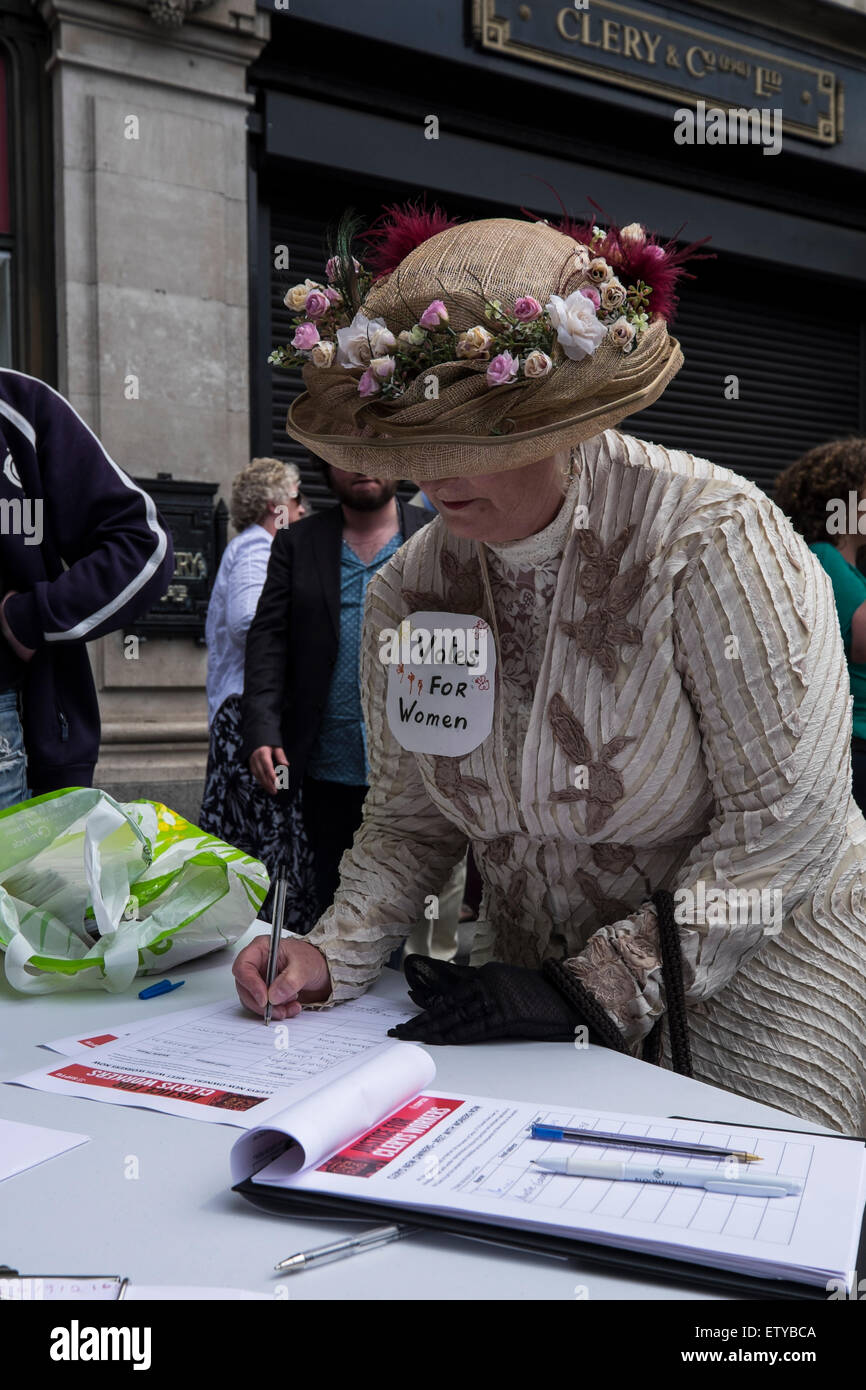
(671, 711)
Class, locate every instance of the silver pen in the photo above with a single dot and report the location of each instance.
(276, 933)
(339, 1249)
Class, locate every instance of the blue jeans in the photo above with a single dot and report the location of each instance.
(13, 759)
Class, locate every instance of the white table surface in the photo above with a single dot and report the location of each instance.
(179, 1223)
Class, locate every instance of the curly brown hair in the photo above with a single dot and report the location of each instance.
(828, 473)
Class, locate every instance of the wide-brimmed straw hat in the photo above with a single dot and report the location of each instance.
(492, 344)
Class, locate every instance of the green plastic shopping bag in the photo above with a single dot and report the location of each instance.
(94, 891)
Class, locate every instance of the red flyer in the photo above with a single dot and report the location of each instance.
(391, 1137)
(150, 1086)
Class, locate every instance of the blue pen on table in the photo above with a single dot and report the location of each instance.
(600, 1137)
(745, 1184)
(164, 987)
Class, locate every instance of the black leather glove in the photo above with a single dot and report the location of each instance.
(462, 1004)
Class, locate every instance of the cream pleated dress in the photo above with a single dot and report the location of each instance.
(671, 711)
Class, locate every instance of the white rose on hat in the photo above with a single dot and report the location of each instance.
(363, 340)
(576, 323)
(322, 353)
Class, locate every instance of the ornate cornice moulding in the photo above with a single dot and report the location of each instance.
(170, 14)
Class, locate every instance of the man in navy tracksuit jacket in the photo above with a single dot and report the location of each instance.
(83, 551)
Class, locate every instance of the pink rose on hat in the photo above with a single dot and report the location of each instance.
(368, 385)
(332, 269)
(316, 304)
(306, 336)
(502, 369)
(434, 314)
(527, 308)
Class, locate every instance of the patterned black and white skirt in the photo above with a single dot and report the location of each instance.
(270, 828)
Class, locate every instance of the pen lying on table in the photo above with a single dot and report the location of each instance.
(382, 1235)
(339, 1249)
(633, 1141)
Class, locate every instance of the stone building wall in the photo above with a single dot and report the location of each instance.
(150, 165)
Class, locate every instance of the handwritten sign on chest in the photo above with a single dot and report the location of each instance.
(441, 669)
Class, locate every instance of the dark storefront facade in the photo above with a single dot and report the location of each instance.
(542, 97)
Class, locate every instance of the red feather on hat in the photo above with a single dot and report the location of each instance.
(398, 230)
(658, 264)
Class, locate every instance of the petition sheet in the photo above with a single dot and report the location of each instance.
(219, 1064)
(472, 1155)
(72, 1045)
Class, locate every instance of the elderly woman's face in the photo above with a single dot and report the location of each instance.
(501, 507)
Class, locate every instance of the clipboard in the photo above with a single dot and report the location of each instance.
(609, 1259)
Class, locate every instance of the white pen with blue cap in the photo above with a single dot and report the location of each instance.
(745, 1184)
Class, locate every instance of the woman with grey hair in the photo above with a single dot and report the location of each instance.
(265, 496)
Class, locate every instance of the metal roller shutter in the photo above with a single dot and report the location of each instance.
(798, 364)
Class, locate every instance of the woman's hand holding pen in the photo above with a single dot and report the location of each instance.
(302, 977)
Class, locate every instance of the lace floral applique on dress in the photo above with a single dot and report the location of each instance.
(462, 584)
(603, 628)
(523, 578)
(604, 785)
(523, 598)
(457, 787)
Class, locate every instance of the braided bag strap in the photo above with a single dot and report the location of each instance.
(585, 1005)
(652, 1044)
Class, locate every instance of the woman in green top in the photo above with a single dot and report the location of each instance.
(824, 494)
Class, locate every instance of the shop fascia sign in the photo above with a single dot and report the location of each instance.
(639, 50)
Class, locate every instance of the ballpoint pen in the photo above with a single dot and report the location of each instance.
(164, 987)
(746, 1184)
(339, 1249)
(625, 1141)
(382, 1235)
(276, 932)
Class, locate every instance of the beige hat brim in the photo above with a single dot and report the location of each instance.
(424, 458)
